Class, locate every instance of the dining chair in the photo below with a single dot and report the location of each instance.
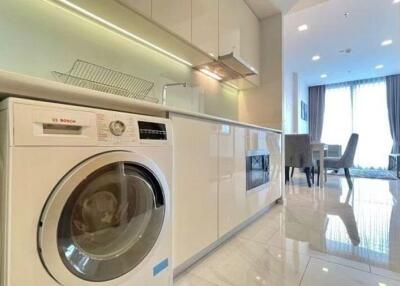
(346, 161)
(298, 154)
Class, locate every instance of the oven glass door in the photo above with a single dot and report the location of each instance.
(257, 170)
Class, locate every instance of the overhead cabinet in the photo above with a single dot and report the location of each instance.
(175, 15)
(214, 28)
(205, 26)
(239, 33)
(141, 6)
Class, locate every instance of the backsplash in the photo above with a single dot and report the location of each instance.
(39, 37)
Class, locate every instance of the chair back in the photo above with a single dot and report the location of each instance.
(347, 160)
(298, 152)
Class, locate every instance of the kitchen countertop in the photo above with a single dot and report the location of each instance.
(23, 86)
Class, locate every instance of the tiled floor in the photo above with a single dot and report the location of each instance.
(318, 237)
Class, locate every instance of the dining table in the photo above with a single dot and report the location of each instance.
(319, 150)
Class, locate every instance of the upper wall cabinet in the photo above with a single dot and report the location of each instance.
(175, 15)
(250, 40)
(239, 32)
(205, 26)
(229, 27)
(141, 6)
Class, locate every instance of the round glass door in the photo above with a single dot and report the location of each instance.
(110, 221)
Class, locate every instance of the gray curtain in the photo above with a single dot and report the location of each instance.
(393, 103)
(316, 101)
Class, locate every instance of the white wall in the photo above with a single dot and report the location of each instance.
(38, 37)
(263, 105)
(295, 91)
(302, 95)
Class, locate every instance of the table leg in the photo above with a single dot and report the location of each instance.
(321, 167)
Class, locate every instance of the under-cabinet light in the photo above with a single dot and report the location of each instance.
(118, 29)
(211, 74)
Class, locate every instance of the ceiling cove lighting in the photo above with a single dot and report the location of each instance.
(324, 75)
(302, 28)
(387, 42)
(378, 67)
(316, 58)
(118, 29)
(211, 74)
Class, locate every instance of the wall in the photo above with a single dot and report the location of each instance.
(295, 91)
(38, 37)
(302, 95)
(263, 105)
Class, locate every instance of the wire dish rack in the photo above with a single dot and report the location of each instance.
(99, 78)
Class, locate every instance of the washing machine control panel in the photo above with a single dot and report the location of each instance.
(117, 127)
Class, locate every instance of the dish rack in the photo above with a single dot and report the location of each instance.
(99, 78)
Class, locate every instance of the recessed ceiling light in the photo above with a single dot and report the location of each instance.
(382, 284)
(396, 1)
(325, 269)
(387, 42)
(378, 67)
(302, 28)
(316, 58)
(324, 75)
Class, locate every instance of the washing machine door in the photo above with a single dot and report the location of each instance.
(102, 219)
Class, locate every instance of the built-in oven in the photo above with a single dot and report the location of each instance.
(257, 169)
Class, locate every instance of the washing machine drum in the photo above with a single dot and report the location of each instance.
(102, 219)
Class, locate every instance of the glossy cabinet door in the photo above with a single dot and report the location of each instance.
(141, 6)
(250, 40)
(274, 144)
(229, 27)
(232, 178)
(205, 26)
(174, 15)
(268, 194)
(195, 192)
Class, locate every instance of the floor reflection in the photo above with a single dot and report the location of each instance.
(362, 224)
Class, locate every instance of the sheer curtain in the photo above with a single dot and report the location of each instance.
(359, 107)
(371, 121)
(337, 126)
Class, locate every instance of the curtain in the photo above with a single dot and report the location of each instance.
(393, 106)
(317, 108)
(370, 121)
(337, 123)
(359, 107)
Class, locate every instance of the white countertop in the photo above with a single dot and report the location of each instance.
(18, 85)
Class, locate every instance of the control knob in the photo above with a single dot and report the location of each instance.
(117, 128)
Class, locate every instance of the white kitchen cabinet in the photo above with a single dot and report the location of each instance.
(270, 141)
(239, 32)
(250, 40)
(235, 203)
(205, 26)
(232, 178)
(195, 193)
(229, 27)
(141, 6)
(174, 15)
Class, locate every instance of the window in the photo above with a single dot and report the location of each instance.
(359, 107)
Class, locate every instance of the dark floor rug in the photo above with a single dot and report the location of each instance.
(370, 174)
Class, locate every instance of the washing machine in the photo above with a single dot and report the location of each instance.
(85, 196)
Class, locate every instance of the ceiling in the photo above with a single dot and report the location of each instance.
(369, 22)
(266, 8)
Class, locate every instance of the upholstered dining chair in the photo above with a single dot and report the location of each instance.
(298, 154)
(345, 162)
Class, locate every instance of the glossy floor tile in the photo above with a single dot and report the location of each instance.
(318, 236)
